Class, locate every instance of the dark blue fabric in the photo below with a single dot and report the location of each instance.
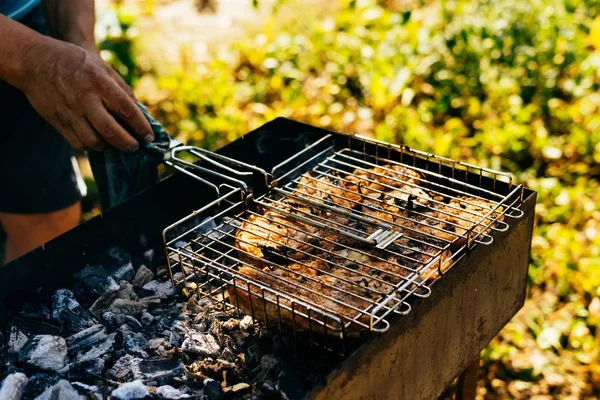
(16, 9)
(121, 175)
(37, 172)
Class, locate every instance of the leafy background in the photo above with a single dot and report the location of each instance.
(502, 84)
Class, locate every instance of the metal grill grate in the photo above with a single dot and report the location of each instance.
(345, 236)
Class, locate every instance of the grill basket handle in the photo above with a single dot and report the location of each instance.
(173, 158)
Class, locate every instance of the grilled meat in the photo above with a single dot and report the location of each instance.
(322, 268)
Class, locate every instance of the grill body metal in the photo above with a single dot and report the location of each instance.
(421, 352)
(205, 254)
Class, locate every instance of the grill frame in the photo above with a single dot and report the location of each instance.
(479, 180)
(416, 359)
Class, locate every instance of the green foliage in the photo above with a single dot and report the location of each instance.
(116, 36)
(502, 84)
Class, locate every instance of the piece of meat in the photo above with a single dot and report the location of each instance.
(323, 270)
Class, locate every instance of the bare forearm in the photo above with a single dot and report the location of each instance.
(15, 50)
(72, 21)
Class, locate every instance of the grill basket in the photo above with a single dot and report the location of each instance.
(357, 207)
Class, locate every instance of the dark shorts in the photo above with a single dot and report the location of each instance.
(37, 170)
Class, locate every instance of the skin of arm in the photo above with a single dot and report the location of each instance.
(67, 82)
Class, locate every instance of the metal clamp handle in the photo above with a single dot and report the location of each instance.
(173, 159)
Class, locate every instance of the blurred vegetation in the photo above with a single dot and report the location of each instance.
(502, 84)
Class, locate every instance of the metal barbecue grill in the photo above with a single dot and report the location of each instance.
(206, 254)
(450, 320)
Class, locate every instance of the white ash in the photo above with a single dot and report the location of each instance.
(200, 343)
(90, 344)
(69, 313)
(88, 389)
(61, 391)
(246, 323)
(130, 391)
(45, 352)
(169, 392)
(16, 340)
(13, 386)
(165, 341)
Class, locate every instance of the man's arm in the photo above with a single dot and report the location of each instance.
(68, 85)
(72, 21)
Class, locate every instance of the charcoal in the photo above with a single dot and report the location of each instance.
(126, 307)
(273, 367)
(16, 340)
(121, 370)
(124, 290)
(69, 313)
(32, 327)
(156, 369)
(163, 290)
(216, 328)
(92, 278)
(255, 352)
(231, 324)
(142, 276)
(37, 311)
(90, 344)
(13, 386)
(240, 338)
(132, 322)
(269, 390)
(135, 343)
(178, 332)
(201, 343)
(159, 347)
(147, 318)
(212, 390)
(228, 355)
(115, 258)
(61, 391)
(169, 392)
(113, 320)
(45, 352)
(148, 255)
(38, 383)
(85, 369)
(124, 273)
(130, 391)
(89, 391)
(161, 271)
(86, 338)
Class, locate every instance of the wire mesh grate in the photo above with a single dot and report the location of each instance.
(345, 236)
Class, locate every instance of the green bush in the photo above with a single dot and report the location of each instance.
(503, 84)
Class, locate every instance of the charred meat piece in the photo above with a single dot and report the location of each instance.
(313, 267)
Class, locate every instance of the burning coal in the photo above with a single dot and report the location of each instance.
(124, 331)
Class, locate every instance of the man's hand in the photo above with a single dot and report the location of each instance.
(79, 94)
